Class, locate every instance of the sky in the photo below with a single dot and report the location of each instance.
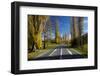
(85, 24)
(64, 24)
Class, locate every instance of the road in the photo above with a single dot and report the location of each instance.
(60, 52)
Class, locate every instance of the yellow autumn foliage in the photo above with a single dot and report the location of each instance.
(35, 28)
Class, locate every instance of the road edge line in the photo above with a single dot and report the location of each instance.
(52, 52)
(69, 52)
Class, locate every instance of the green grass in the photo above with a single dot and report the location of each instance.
(83, 49)
(53, 45)
(38, 52)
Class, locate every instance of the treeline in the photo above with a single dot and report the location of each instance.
(78, 38)
(40, 31)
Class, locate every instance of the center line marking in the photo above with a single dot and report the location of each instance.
(69, 51)
(61, 54)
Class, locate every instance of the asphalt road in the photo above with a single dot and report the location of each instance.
(60, 52)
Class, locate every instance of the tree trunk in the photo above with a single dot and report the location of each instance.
(32, 49)
(37, 40)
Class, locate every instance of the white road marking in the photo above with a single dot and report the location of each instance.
(76, 51)
(53, 52)
(61, 54)
(69, 52)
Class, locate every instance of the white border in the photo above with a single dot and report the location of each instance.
(26, 65)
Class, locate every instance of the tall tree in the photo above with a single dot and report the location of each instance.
(77, 30)
(46, 31)
(74, 31)
(57, 34)
(81, 23)
(35, 28)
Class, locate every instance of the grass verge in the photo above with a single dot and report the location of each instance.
(38, 52)
(83, 49)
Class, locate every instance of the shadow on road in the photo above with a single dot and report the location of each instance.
(58, 57)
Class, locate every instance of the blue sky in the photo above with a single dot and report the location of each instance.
(85, 24)
(64, 24)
